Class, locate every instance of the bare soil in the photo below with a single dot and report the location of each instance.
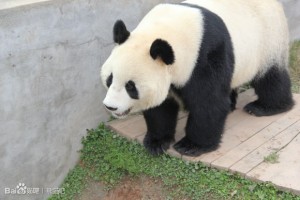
(140, 188)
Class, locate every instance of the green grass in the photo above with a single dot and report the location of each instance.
(295, 66)
(108, 158)
(272, 158)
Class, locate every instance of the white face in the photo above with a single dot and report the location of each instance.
(120, 99)
(135, 81)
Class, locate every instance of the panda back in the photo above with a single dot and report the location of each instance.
(258, 31)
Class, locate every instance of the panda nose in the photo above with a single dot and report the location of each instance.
(110, 108)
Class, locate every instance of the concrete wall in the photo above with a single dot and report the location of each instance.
(50, 91)
(292, 11)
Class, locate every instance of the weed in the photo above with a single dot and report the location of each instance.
(295, 66)
(272, 158)
(73, 184)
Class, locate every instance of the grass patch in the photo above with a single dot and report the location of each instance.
(73, 184)
(272, 158)
(108, 157)
(295, 66)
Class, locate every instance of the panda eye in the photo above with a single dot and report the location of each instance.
(131, 90)
(109, 80)
(130, 85)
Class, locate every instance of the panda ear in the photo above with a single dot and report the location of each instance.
(120, 32)
(162, 49)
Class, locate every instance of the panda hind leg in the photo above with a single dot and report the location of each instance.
(274, 93)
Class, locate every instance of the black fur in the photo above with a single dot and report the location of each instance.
(131, 90)
(206, 96)
(120, 32)
(274, 93)
(233, 98)
(162, 49)
(109, 80)
(161, 123)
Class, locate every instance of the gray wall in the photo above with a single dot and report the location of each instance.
(50, 90)
(292, 11)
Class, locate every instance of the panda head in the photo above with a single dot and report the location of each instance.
(137, 73)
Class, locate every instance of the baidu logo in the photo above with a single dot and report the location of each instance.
(22, 189)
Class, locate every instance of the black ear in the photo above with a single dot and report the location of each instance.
(162, 49)
(120, 32)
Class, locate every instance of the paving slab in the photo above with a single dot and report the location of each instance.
(246, 142)
(259, 138)
(131, 128)
(257, 156)
(286, 173)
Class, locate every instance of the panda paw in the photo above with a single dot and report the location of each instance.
(186, 147)
(157, 146)
(258, 109)
(254, 108)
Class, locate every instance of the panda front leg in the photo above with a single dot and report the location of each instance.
(161, 124)
(233, 98)
(204, 128)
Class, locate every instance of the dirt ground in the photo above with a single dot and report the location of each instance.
(141, 188)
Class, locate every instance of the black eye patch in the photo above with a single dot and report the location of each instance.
(109, 80)
(131, 90)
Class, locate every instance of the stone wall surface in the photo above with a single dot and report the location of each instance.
(292, 11)
(50, 90)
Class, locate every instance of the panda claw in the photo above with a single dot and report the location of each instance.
(187, 148)
(193, 152)
(255, 109)
(154, 152)
(156, 147)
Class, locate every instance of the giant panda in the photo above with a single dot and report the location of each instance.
(197, 53)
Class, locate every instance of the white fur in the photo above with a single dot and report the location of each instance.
(132, 61)
(258, 31)
(259, 34)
